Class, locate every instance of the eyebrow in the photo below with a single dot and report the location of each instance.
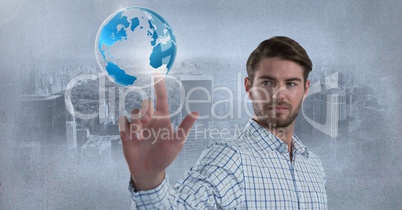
(293, 79)
(289, 79)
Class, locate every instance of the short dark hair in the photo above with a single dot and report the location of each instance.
(282, 47)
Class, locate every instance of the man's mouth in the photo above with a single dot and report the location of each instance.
(278, 107)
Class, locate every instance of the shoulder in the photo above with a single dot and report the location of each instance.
(221, 152)
(220, 162)
(315, 161)
(239, 146)
(314, 158)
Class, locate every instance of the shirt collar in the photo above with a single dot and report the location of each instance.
(267, 140)
(299, 146)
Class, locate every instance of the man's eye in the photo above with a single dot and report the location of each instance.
(291, 84)
(266, 83)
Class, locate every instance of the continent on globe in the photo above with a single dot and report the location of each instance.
(132, 44)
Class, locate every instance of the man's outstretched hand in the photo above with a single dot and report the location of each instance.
(149, 142)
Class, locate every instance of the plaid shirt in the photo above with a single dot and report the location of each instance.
(253, 171)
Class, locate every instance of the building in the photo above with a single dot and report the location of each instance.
(198, 96)
(109, 129)
(329, 109)
(71, 134)
(43, 119)
(96, 147)
(335, 80)
(82, 137)
(116, 149)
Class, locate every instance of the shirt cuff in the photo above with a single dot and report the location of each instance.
(149, 199)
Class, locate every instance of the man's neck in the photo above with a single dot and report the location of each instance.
(283, 133)
(286, 135)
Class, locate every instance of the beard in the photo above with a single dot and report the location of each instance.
(267, 120)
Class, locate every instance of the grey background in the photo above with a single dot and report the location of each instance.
(360, 39)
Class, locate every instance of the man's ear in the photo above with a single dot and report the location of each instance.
(306, 88)
(247, 86)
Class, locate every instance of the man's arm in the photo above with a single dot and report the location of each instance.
(150, 145)
(216, 181)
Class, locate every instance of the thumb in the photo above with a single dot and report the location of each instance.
(185, 125)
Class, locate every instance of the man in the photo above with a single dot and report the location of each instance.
(267, 167)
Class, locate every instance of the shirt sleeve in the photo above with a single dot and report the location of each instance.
(216, 181)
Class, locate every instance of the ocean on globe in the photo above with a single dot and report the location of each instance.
(133, 44)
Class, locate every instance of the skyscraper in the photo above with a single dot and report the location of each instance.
(43, 119)
(116, 149)
(329, 109)
(71, 134)
(82, 137)
(198, 96)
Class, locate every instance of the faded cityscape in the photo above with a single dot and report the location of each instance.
(343, 107)
(51, 158)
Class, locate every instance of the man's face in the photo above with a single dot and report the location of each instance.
(277, 91)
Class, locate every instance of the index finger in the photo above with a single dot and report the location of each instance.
(162, 105)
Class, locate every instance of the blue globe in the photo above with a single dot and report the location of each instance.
(134, 43)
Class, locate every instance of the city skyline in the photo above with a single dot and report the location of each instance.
(49, 159)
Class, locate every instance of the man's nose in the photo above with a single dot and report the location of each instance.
(279, 93)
